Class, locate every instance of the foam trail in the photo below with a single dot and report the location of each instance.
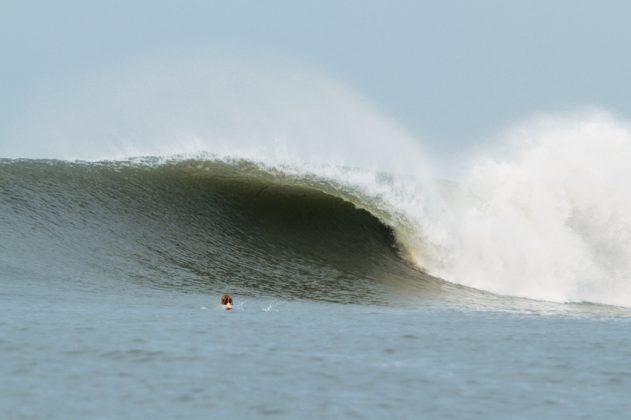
(550, 220)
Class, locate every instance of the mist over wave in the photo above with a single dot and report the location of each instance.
(544, 214)
(253, 108)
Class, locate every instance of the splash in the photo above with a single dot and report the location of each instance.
(548, 219)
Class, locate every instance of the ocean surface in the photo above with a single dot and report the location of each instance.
(111, 274)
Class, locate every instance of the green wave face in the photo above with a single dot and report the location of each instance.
(199, 226)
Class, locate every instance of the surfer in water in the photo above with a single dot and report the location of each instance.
(226, 302)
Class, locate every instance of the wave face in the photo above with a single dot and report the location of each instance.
(197, 225)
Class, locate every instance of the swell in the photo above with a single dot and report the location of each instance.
(199, 225)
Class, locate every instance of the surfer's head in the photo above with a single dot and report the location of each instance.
(226, 301)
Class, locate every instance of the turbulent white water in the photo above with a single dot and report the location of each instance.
(546, 217)
(550, 219)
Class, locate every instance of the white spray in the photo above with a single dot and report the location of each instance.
(551, 219)
(260, 109)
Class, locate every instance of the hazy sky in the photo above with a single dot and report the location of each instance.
(450, 72)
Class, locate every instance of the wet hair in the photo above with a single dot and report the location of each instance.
(226, 299)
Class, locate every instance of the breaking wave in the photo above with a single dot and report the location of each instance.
(283, 182)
